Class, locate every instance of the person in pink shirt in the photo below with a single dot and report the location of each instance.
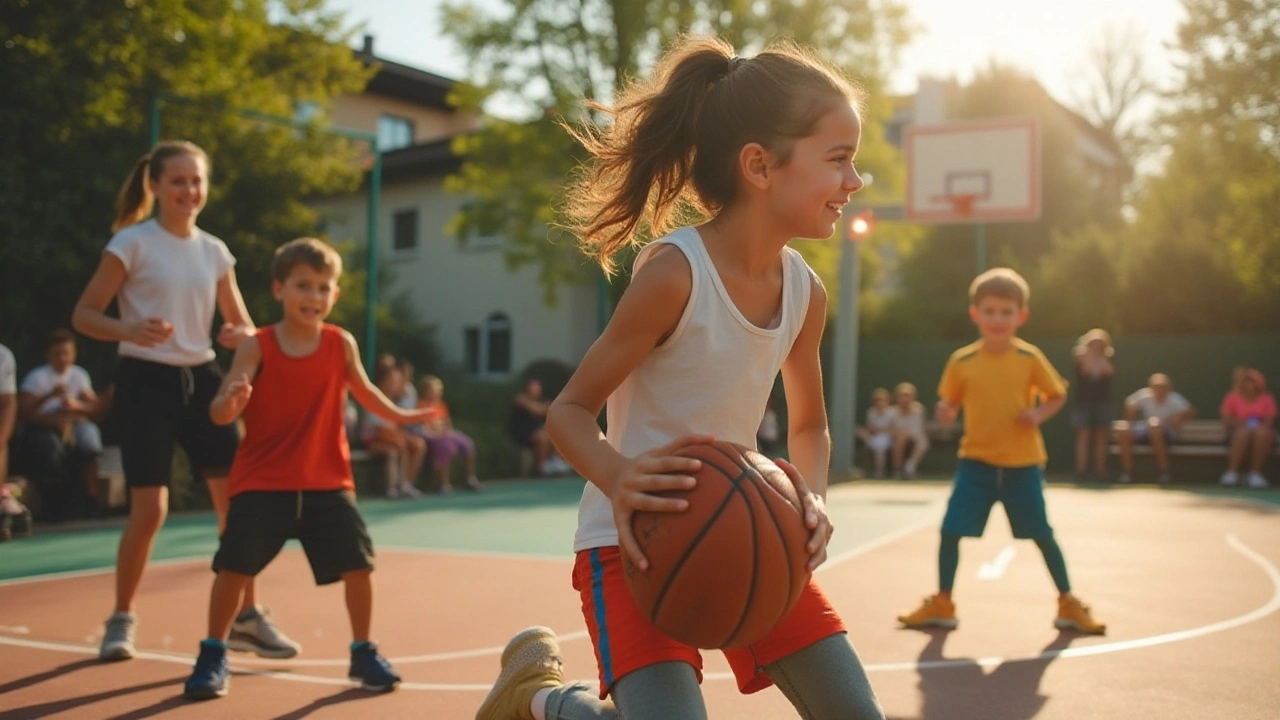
(1249, 417)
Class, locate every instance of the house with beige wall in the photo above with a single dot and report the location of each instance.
(488, 320)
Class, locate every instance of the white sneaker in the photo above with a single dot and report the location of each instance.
(1230, 478)
(1257, 482)
(410, 491)
(1125, 479)
(909, 469)
(393, 492)
(117, 641)
(258, 634)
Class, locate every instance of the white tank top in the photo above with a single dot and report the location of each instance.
(712, 375)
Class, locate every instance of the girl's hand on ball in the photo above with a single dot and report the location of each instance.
(654, 471)
(815, 516)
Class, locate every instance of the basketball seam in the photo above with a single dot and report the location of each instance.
(782, 537)
(734, 488)
(746, 472)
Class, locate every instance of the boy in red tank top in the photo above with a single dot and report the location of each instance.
(291, 477)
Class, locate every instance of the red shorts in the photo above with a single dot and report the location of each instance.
(625, 640)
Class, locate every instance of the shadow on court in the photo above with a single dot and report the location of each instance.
(964, 689)
(54, 707)
(336, 699)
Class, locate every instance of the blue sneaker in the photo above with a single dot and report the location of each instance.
(371, 670)
(211, 677)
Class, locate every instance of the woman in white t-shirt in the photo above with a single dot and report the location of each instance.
(168, 276)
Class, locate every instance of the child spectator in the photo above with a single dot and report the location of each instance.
(8, 406)
(1154, 414)
(1092, 414)
(291, 477)
(59, 439)
(444, 442)
(383, 436)
(1249, 418)
(906, 424)
(877, 434)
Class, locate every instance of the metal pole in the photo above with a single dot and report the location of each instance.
(371, 274)
(844, 385)
(980, 246)
(155, 122)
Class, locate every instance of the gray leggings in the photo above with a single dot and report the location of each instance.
(824, 681)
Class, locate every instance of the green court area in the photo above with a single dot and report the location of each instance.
(524, 517)
(519, 517)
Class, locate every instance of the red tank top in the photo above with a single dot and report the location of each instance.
(295, 438)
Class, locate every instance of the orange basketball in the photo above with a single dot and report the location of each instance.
(725, 571)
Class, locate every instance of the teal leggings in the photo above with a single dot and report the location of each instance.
(949, 560)
(824, 681)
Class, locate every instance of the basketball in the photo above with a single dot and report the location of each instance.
(725, 571)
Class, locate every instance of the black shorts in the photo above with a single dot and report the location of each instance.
(157, 405)
(326, 522)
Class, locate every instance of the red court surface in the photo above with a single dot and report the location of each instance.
(1188, 584)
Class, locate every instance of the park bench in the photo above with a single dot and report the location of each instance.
(1198, 438)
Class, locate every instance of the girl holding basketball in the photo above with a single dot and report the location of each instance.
(764, 147)
(168, 276)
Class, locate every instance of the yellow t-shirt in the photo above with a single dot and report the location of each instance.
(993, 388)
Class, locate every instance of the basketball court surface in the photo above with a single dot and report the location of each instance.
(1187, 582)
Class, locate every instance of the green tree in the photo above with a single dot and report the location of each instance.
(1204, 254)
(541, 59)
(83, 73)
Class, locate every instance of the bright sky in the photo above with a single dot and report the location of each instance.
(1051, 38)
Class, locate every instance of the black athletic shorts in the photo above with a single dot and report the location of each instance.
(157, 405)
(327, 523)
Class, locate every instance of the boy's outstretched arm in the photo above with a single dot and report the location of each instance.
(368, 394)
(236, 386)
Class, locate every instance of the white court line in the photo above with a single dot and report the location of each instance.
(881, 541)
(1232, 541)
(994, 570)
(1101, 649)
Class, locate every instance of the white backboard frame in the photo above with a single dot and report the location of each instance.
(997, 160)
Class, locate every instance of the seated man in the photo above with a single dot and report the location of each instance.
(1155, 415)
(61, 444)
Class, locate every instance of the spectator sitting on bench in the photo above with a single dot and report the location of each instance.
(60, 443)
(1249, 418)
(906, 422)
(1154, 415)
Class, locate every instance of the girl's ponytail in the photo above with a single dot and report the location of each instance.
(133, 204)
(672, 148)
(644, 160)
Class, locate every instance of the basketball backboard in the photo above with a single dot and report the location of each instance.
(973, 171)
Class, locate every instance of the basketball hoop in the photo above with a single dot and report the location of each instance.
(962, 203)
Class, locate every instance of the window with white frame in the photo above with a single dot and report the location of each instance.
(487, 348)
(394, 132)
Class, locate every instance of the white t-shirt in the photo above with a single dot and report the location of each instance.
(712, 375)
(879, 420)
(172, 278)
(910, 422)
(8, 372)
(1145, 402)
(42, 380)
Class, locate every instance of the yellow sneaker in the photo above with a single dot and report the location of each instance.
(935, 611)
(1075, 615)
(530, 662)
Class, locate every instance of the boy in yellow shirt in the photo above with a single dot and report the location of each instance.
(1007, 389)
